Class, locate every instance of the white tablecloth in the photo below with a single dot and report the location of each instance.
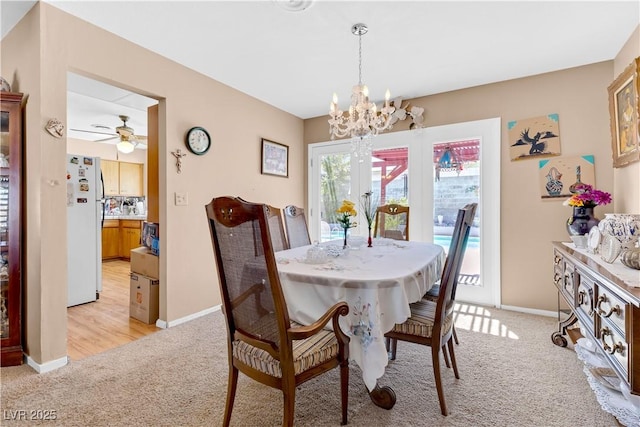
(378, 283)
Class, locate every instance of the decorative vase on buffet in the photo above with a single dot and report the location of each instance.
(624, 227)
(584, 199)
(344, 246)
(581, 221)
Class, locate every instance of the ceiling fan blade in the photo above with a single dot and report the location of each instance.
(107, 139)
(95, 131)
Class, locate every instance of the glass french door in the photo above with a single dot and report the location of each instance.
(402, 170)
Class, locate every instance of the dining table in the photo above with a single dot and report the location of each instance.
(378, 283)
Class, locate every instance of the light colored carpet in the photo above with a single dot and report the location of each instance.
(511, 375)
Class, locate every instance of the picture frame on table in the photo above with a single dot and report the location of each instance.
(623, 113)
(275, 158)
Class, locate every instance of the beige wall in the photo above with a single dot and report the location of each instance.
(528, 223)
(36, 56)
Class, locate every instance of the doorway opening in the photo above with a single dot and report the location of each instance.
(95, 112)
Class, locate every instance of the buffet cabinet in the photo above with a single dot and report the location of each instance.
(606, 305)
(10, 229)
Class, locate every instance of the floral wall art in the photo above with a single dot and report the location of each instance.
(559, 176)
(534, 137)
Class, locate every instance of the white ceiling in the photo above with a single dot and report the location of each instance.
(296, 60)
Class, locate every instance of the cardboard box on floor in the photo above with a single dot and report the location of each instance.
(144, 262)
(144, 298)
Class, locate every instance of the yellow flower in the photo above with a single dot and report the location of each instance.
(346, 211)
(347, 208)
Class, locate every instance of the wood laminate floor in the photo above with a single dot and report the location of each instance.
(98, 326)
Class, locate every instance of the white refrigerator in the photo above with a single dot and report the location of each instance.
(85, 216)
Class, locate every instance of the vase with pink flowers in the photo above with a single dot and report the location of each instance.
(583, 201)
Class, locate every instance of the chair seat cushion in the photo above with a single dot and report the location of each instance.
(307, 353)
(422, 318)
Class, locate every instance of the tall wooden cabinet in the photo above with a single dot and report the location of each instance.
(10, 229)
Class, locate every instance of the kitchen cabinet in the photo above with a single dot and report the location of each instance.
(11, 229)
(110, 177)
(130, 179)
(122, 178)
(111, 239)
(129, 237)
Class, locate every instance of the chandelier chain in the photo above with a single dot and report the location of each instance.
(360, 58)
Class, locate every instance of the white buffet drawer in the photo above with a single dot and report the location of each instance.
(615, 346)
(609, 306)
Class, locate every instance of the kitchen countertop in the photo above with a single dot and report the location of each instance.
(134, 217)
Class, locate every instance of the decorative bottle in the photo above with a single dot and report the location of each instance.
(574, 187)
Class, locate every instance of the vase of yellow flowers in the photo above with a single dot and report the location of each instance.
(583, 201)
(369, 209)
(345, 213)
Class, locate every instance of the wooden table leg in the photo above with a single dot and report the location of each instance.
(383, 397)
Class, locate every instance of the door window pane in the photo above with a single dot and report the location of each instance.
(335, 186)
(457, 182)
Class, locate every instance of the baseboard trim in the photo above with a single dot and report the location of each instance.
(164, 324)
(545, 313)
(42, 368)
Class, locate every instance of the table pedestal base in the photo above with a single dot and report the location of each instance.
(383, 397)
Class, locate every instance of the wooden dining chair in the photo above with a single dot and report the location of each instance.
(389, 221)
(432, 294)
(296, 225)
(431, 323)
(276, 229)
(263, 343)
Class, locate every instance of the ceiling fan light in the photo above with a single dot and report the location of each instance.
(125, 147)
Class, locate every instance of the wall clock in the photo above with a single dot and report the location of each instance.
(198, 140)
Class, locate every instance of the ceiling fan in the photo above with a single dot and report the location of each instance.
(128, 140)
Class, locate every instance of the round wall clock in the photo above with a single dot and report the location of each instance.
(198, 140)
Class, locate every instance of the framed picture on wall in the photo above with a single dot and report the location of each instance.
(560, 176)
(534, 137)
(623, 113)
(275, 158)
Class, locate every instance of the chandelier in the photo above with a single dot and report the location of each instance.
(363, 120)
